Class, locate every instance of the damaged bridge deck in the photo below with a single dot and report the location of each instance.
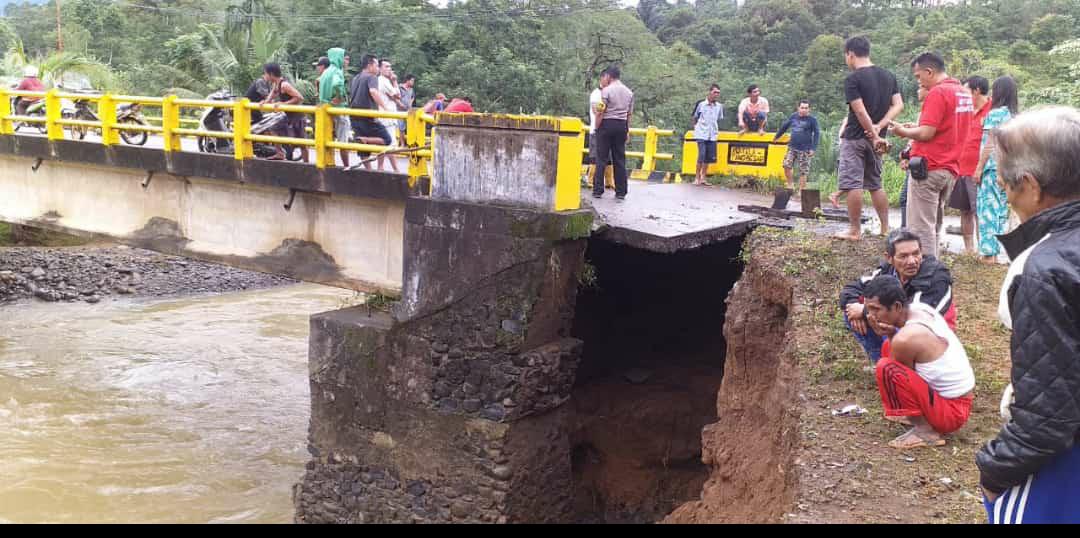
(672, 217)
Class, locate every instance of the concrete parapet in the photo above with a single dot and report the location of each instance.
(531, 162)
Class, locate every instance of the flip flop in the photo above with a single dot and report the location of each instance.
(912, 440)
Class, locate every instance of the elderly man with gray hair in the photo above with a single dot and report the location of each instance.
(1030, 473)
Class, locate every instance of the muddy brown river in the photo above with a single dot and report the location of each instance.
(189, 410)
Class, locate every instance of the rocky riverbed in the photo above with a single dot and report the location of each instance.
(90, 274)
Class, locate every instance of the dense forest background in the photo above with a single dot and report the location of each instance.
(543, 56)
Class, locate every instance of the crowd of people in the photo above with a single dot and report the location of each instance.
(968, 151)
(376, 87)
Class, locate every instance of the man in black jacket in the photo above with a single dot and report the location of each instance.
(925, 280)
(1030, 473)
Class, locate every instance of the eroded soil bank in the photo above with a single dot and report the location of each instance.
(777, 454)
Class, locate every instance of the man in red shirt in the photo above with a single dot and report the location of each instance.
(459, 104)
(29, 83)
(965, 193)
(939, 140)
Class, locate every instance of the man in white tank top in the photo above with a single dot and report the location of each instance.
(924, 375)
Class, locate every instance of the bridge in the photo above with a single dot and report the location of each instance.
(452, 407)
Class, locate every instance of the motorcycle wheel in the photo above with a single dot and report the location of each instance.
(135, 138)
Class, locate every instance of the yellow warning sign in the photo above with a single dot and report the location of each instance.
(748, 154)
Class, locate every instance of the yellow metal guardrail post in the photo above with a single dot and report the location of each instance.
(648, 164)
(107, 112)
(415, 137)
(242, 129)
(170, 122)
(6, 126)
(568, 167)
(324, 133)
(53, 130)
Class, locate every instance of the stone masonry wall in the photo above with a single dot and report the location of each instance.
(452, 411)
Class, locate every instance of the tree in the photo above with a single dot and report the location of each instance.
(1051, 30)
(822, 79)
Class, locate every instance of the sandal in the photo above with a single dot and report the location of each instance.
(912, 440)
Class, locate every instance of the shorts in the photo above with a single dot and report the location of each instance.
(860, 166)
(369, 128)
(964, 195)
(799, 160)
(706, 151)
(342, 131)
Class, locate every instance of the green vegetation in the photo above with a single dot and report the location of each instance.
(543, 56)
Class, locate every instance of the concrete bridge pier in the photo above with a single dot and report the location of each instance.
(450, 409)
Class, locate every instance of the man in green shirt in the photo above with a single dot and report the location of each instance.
(332, 91)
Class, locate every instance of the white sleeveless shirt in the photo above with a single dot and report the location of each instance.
(950, 375)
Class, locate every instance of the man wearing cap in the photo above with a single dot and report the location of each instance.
(30, 83)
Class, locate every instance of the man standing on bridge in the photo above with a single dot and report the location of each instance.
(938, 140)
(332, 92)
(613, 115)
(805, 137)
(874, 99)
(364, 94)
(707, 114)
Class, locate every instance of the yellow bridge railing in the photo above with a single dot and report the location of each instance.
(174, 126)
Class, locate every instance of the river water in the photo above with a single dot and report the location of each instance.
(187, 410)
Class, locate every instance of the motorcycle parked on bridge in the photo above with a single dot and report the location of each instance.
(131, 114)
(36, 109)
(78, 109)
(221, 119)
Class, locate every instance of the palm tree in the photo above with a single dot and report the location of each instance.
(223, 58)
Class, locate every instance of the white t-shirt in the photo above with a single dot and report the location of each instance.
(386, 88)
(594, 99)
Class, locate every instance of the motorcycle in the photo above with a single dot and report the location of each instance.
(36, 109)
(221, 119)
(131, 114)
(78, 109)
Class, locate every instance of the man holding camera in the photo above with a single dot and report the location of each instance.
(938, 143)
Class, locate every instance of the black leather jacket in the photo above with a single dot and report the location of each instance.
(1043, 302)
(932, 286)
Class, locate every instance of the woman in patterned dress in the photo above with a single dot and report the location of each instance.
(993, 208)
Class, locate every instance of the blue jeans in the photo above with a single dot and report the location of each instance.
(754, 121)
(870, 342)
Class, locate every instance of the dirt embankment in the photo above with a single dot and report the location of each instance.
(777, 454)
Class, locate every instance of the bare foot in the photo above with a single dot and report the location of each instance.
(848, 236)
(914, 438)
(899, 420)
(834, 199)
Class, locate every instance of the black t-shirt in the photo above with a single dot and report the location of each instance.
(256, 93)
(360, 91)
(875, 86)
